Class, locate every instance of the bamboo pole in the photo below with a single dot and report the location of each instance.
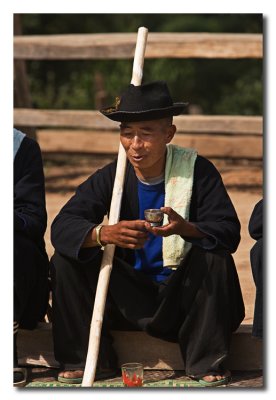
(107, 260)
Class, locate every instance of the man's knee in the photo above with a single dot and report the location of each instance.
(64, 269)
(218, 262)
(61, 268)
(212, 255)
(219, 255)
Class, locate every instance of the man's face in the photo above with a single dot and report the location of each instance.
(145, 144)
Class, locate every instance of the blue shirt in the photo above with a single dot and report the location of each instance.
(149, 259)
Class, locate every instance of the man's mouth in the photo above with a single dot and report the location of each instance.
(137, 158)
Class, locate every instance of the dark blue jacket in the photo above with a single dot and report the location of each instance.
(211, 211)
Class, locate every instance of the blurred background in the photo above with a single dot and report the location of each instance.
(212, 86)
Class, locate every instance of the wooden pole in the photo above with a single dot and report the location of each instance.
(21, 90)
(107, 260)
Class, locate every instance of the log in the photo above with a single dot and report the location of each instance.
(226, 124)
(122, 45)
(63, 118)
(106, 142)
(35, 348)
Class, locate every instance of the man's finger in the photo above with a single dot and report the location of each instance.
(138, 225)
(132, 240)
(162, 231)
(127, 232)
(169, 211)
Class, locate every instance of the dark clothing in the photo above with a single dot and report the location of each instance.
(256, 258)
(255, 226)
(31, 264)
(199, 305)
(211, 211)
(204, 294)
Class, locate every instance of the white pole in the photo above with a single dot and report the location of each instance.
(107, 260)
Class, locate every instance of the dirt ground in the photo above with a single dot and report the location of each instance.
(64, 172)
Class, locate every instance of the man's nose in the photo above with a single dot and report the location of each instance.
(137, 142)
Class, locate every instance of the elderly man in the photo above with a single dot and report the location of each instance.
(177, 281)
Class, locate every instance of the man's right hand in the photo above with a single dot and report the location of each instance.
(127, 234)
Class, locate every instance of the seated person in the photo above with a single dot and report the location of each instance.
(31, 264)
(177, 281)
(256, 258)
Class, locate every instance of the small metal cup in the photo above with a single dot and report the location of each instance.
(154, 216)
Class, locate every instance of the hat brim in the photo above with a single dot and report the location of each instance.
(147, 115)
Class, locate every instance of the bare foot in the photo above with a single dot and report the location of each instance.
(213, 378)
(71, 374)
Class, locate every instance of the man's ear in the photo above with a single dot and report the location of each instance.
(170, 133)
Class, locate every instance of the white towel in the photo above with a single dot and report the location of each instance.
(179, 174)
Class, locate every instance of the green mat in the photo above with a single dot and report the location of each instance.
(169, 383)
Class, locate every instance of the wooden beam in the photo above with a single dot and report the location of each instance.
(35, 347)
(103, 142)
(63, 118)
(85, 119)
(122, 45)
(222, 146)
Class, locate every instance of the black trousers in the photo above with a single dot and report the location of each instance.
(198, 306)
(30, 279)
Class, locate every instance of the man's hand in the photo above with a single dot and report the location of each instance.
(127, 234)
(176, 226)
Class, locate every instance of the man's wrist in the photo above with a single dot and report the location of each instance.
(191, 230)
(103, 237)
(98, 235)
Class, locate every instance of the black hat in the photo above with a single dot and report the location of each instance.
(143, 103)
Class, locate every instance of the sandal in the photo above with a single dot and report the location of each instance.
(77, 375)
(19, 377)
(219, 382)
(106, 366)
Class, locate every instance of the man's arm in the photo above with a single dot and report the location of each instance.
(30, 214)
(81, 214)
(73, 230)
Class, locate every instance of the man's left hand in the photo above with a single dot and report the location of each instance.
(177, 225)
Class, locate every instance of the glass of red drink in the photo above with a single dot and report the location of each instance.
(132, 374)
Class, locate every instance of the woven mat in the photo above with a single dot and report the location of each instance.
(169, 383)
(151, 379)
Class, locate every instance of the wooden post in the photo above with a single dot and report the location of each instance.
(107, 260)
(100, 93)
(22, 97)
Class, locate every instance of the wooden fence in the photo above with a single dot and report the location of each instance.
(213, 136)
(122, 46)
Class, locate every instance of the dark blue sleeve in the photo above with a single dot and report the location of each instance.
(82, 213)
(211, 209)
(30, 214)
